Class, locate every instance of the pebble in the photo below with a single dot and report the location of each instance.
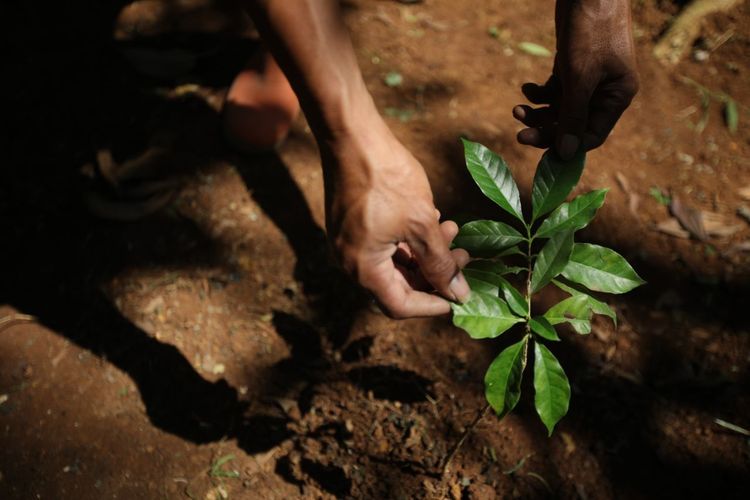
(700, 55)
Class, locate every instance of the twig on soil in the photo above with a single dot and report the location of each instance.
(518, 465)
(541, 480)
(716, 95)
(686, 27)
(5, 321)
(457, 446)
(732, 427)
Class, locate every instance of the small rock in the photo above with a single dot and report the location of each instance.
(414, 439)
(699, 333)
(602, 334)
(154, 305)
(700, 55)
(570, 444)
(685, 158)
(744, 212)
(348, 425)
(455, 490)
(3, 398)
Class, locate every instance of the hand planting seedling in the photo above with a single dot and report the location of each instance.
(549, 254)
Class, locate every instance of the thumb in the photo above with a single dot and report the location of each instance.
(572, 117)
(436, 262)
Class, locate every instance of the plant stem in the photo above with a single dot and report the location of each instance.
(529, 240)
(461, 440)
(716, 95)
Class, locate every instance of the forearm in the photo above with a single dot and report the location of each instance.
(313, 47)
(609, 20)
(377, 194)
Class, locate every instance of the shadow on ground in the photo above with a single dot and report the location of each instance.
(61, 255)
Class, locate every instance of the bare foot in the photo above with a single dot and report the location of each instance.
(260, 107)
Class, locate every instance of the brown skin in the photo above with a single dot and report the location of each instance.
(260, 106)
(380, 213)
(593, 81)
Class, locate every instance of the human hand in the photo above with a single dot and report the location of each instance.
(384, 226)
(593, 81)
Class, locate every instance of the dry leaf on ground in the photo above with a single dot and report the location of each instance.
(672, 228)
(744, 212)
(738, 248)
(690, 218)
(633, 199)
(718, 226)
(699, 223)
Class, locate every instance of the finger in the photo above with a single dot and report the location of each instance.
(449, 229)
(572, 118)
(422, 304)
(538, 94)
(461, 257)
(404, 256)
(414, 277)
(396, 296)
(607, 106)
(436, 261)
(534, 117)
(537, 137)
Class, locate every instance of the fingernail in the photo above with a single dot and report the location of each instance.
(460, 288)
(568, 146)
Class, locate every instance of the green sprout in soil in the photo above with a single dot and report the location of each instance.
(547, 254)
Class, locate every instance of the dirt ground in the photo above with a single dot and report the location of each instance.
(213, 351)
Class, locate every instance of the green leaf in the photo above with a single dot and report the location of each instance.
(481, 281)
(543, 328)
(217, 471)
(657, 194)
(553, 181)
(404, 115)
(574, 310)
(486, 238)
(534, 49)
(494, 266)
(484, 280)
(514, 250)
(393, 79)
(551, 260)
(492, 283)
(484, 316)
(574, 215)
(597, 306)
(601, 269)
(731, 116)
(502, 382)
(552, 390)
(493, 177)
(705, 105)
(515, 300)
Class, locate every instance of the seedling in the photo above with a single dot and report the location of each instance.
(545, 247)
(217, 468)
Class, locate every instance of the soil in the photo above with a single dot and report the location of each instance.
(212, 350)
